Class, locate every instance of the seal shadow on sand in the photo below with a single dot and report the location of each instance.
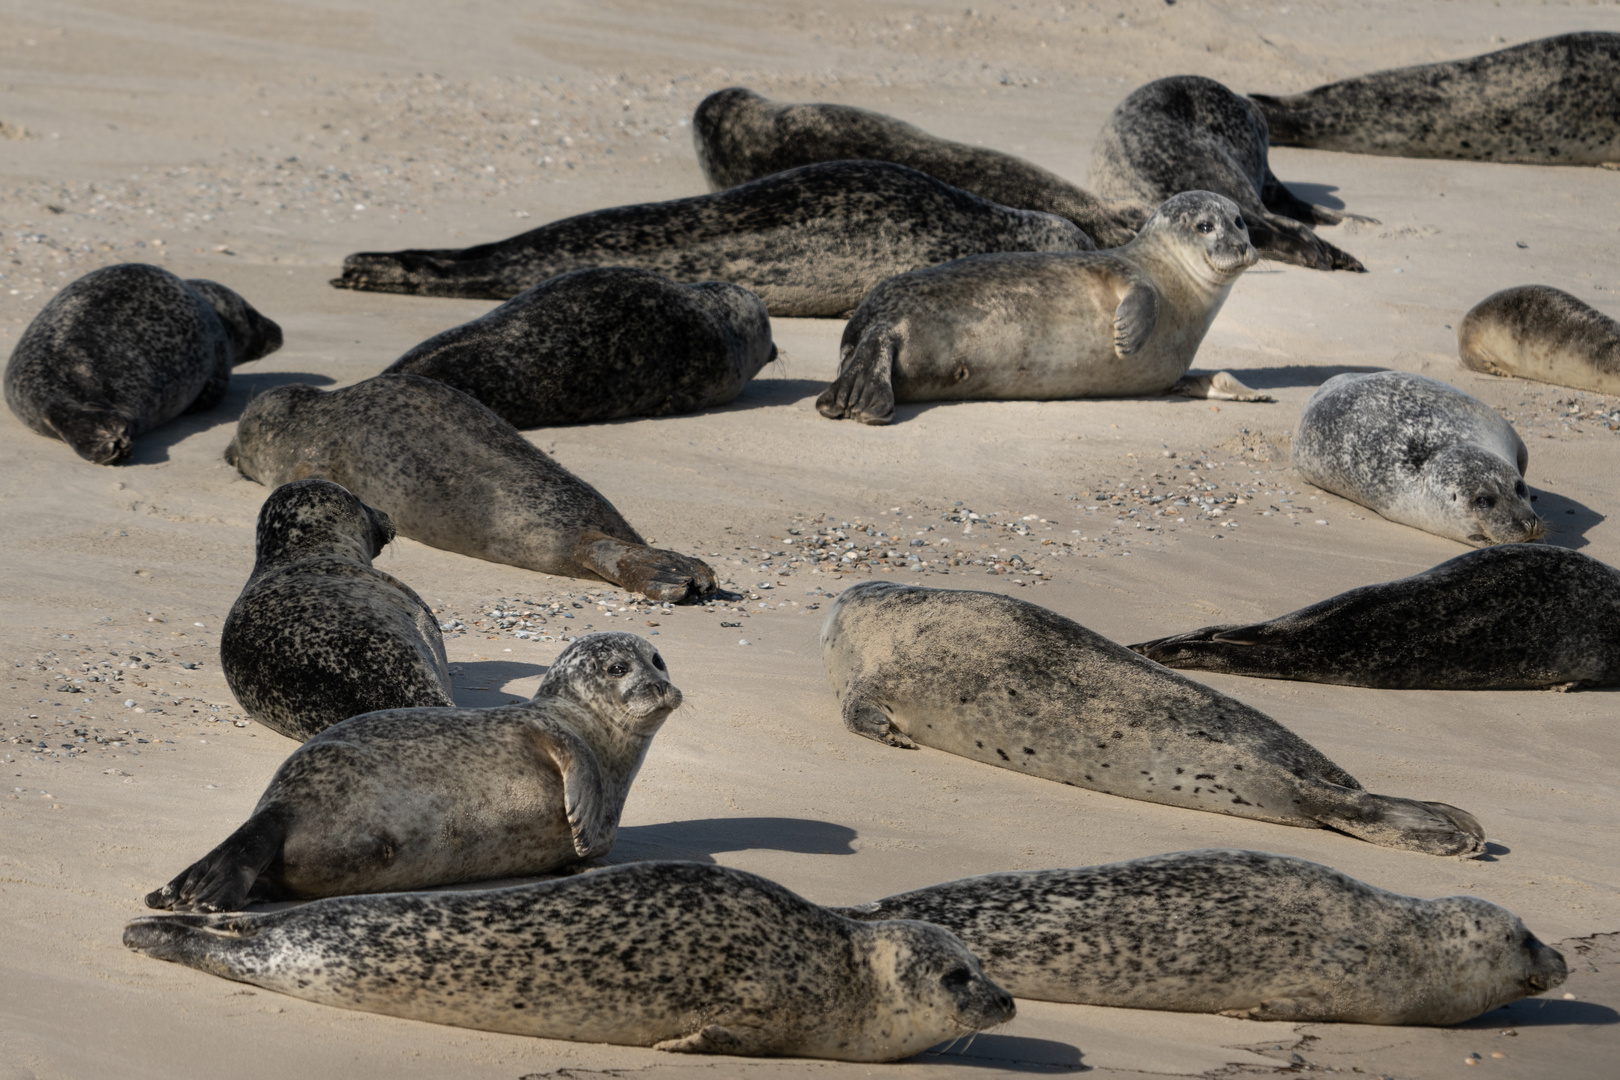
(1542, 1012)
(1568, 521)
(701, 839)
(152, 447)
(1006, 1053)
(1320, 194)
(482, 684)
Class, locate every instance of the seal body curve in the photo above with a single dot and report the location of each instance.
(1542, 333)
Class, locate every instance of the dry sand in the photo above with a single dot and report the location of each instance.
(257, 143)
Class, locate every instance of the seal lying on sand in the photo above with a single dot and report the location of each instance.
(1188, 133)
(453, 475)
(128, 348)
(1241, 933)
(319, 634)
(1547, 102)
(1011, 684)
(1419, 452)
(741, 136)
(677, 956)
(809, 242)
(1038, 326)
(599, 344)
(1542, 333)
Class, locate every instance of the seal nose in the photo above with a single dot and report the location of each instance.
(1550, 967)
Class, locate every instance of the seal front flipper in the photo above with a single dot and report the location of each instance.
(223, 879)
(1289, 1008)
(1219, 386)
(654, 572)
(1134, 319)
(1433, 828)
(591, 816)
(864, 388)
(866, 717)
(97, 433)
(715, 1039)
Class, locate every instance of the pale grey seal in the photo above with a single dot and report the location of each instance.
(1542, 333)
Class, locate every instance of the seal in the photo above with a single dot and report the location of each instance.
(1188, 133)
(125, 349)
(1159, 933)
(408, 798)
(1546, 102)
(1420, 452)
(1011, 684)
(1029, 325)
(451, 474)
(1511, 617)
(742, 136)
(1542, 333)
(809, 242)
(319, 634)
(600, 344)
(683, 957)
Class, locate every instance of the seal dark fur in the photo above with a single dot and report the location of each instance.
(1542, 333)
(125, 349)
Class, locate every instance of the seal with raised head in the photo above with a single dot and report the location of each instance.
(451, 474)
(1242, 933)
(1418, 451)
(408, 798)
(742, 136)
(1542, 333)
(125, 349)
(1012, 684)
(1510, 617)
(683, 957)
(1546, 102)
(1189, 133)
(599, 344)
(1028, 326)
(809, 242)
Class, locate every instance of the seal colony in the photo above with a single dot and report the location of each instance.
(1542, 333)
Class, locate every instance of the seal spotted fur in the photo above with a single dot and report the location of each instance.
(1542, 333)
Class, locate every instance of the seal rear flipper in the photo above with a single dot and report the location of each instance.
(1283, 240)
(664, 576)
(1205, 648)
(1433, 828)
(223, 879)
(97, 433)
(1217, 386)
(864, 388)
(421, 273)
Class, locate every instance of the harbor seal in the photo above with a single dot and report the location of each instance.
(1420, 452)
(809, 242)
(1011, 684)
(1036, 326)
(599, 344)
(1546, 102)
(319, 634)
(1542, 333)
(451, 474)
(1188, 133)
(1511, 617)
(409, 798)
(1242, 933)
(682, 957)
(741, 136)
(125, 349)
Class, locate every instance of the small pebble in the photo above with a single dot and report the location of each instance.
(743, 641)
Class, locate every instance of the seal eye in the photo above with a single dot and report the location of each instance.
(1237, 223)
(1519, 488)
(658, 662)
(957, 976)
(1484, 502)
(618, 669)
(1205, 227)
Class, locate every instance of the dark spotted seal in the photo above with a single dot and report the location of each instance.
(809, 242)
(1419, 452)
(128, 348)
(1015, 685)
(1542, 333)
(677, 956)
(453, 475)
(1188, 133)
(599, 344)
(1242, 933)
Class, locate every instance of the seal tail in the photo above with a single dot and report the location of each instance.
(223, 879)
(1433, 828)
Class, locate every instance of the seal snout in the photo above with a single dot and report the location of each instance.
(1548, 968)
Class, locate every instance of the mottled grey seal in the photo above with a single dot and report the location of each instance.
(125, 349)
(683, 957)
(1015, 685)
(319, 634)
(1542, 333)
(1243, 933)
(809, 242)
(408, 798)
(1511, 617)
(1548, 102)
(1188, 133)
(598, 344)
(742, 136)
(452, 474)
(1032, 325)
(1419, 452)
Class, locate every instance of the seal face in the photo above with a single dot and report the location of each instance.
(1041, 326)
(600, 344)
(1542, 333)
(125, 349)
(1188, 133)
(1419, 452)
(408, 798)
(808, 242)
(678, 956)
(1159, 933)
(319, 634)
(1015, 685)
(741, 136)
(1546, 102)
(453, 475)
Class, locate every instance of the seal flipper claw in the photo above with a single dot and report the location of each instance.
(223, 879)
(864, 388)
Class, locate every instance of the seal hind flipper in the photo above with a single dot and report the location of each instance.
(1217, 386)
(223, 879)
(421, 272)
(1434, 828)
(1134, 319)
(658, 574)
(864, 388)
(1285, 240)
